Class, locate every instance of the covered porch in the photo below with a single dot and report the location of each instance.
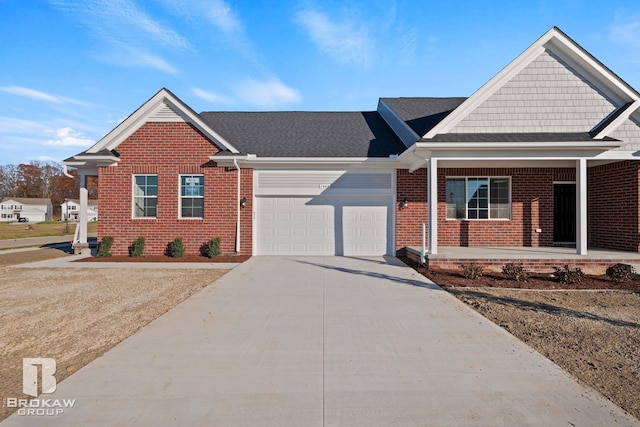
(534, 259)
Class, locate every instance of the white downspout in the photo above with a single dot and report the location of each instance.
(432, 201)
(235, 163)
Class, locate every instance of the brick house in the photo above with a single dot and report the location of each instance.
(544, 154)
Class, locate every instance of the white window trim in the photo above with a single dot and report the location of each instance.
(180, 196)
(466, 205)
(133, 196)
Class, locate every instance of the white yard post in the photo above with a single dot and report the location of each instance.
(581, 206)
(82, 243)
(432, 199)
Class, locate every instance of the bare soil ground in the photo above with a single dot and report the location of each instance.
(592, 334)
(74, 316)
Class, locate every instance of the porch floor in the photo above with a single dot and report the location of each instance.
(521, 252)
(539, 259)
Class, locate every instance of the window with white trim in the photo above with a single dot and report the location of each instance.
(478, 198)
(145, 196)
(191, 196)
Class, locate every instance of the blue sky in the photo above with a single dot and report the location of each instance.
(71, 70)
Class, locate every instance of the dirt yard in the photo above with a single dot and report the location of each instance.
(74, 315)
(592, 334)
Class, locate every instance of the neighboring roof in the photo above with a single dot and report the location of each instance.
(26, 200)
(422, 114)
(306, 134)
(516, 137)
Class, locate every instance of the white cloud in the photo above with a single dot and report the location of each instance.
(271, 93)
(626, 33)
(347, 40)
(211, 97)
(130, 33)
(30, 93)
(221, 15)
(14, 125)
(67, 137)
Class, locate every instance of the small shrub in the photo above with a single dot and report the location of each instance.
(567, 275)
(620, 273)
(104, 248)
(214, 247)
(515, 271)
(137, 249)
(471, 271)
(177, 248)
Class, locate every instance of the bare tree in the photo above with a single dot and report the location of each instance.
(9, 177)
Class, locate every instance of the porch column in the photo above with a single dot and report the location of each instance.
(581, 206)
(432, 201)
(82, 242)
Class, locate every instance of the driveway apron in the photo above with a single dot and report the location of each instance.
(312, 341)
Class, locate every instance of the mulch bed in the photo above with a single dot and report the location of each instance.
(452, 278)
(165, 258)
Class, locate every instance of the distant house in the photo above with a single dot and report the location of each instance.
(71, 209)
(34, 210)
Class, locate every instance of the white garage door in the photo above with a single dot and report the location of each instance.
(345, 217)
(323, 225)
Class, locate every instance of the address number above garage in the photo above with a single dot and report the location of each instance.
(313, 183)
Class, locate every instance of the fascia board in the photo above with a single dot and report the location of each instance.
(251, 160)
(517, 146)
(134, 121)
(618, 121)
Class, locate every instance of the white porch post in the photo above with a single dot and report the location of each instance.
(82, 242)
(581, 206)
(432, 201)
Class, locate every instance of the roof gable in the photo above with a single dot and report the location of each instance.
(164, 106)
(554, 86)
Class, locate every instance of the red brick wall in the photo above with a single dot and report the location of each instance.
(531, 208)
(613, 206)
(413, 187)
(168, 150)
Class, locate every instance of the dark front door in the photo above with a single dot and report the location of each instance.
(564, 213)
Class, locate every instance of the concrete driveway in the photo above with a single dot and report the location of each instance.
(325, 341)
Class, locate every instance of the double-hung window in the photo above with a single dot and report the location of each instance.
(192, 196)
(145, 196)
(478, 198)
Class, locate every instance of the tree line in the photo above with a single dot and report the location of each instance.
(42, 179)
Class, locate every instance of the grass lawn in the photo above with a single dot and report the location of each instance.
(18, 230)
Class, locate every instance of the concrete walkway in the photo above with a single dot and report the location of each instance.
(325, 341)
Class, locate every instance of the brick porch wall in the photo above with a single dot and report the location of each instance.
(613, 206)
(168, 150)
(531, 208)
(413, 187)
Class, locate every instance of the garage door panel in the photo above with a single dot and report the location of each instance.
(307, 225)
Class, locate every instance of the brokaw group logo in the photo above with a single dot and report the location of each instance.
(30, 375)
(39, 373)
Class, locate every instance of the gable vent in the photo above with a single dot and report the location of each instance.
(166, 113)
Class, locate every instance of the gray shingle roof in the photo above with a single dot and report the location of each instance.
(422, 114)
(306, 134)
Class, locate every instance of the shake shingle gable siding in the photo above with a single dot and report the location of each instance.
(306, 134)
